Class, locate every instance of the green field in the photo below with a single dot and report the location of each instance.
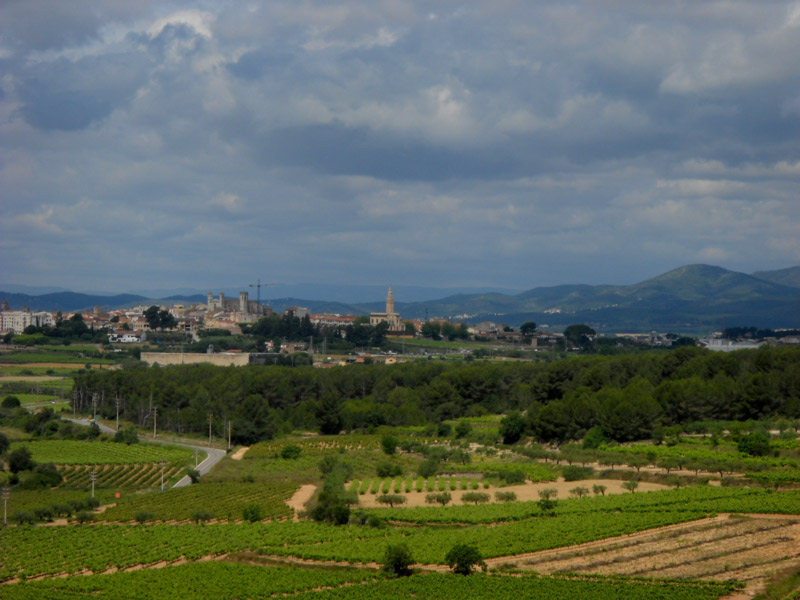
(70, 452)
(223, 501)
(230, 581)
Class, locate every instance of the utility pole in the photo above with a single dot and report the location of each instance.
(155, 419)
(209, 429)
(6, 495)
(93, 478)
(229, 434)
(195, 458)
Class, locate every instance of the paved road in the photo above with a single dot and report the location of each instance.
(213, 455)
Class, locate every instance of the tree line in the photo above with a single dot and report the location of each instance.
(628, 397)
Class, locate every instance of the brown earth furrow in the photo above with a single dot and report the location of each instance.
(640, 549)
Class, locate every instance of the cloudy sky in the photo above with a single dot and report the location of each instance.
(208, 144)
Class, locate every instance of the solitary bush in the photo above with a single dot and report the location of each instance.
(202, 516)
(630, 485)
(397, 560)
(389, 444)
(510, 476)
(291, 451)
(193, 475)
(428, 468)
(143, 516)
(579, 491)
(462, 557)
(386, 468)
(754, 444)
(253, 513)
(576, 473)
(84, 516)
(505, 496)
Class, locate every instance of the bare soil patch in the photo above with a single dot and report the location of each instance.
(298, 501)
(239, 454)
(524, 492)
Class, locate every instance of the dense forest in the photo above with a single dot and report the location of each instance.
(629, 397)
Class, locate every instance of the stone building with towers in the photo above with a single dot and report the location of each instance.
(390, 316)
(243, 309)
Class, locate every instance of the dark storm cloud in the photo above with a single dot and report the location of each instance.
(513, 144)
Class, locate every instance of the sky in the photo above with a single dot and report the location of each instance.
(210, 144)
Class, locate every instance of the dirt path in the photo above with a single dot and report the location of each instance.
(239, 454)
(525, 492)
(298, 501)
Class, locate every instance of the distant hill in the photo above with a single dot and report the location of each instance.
(690, 299)
(790, 276)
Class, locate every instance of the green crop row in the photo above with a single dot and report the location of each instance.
(229, 581)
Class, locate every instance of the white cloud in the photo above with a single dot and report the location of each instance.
(230, 202)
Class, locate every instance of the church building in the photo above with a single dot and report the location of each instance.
(390, 317)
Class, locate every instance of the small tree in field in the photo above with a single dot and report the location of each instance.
(462, 557)
(630, 485)
(476, 497)
(599, 490)
(442, 498)
(579, 491)
(391, 499)
(546, 500)
(397, 560)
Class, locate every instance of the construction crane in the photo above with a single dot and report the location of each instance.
(258, 287)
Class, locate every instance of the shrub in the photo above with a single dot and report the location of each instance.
(23, 517)
(253, 513)
(386, 468)
(202, 516)
(397, 560)
(20, 460)
(43, 513)
(510, 476)
(463, 429)
(576, 473)
(630, 485)
(505, 496)
(291, 451)
(10, 402)
(754, 444)
(512, 428)
(428, 468)
(462, 557)
(84, 516)
(442, 498)
(143, 516)
(389, 444)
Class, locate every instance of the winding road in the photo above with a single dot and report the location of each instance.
(213, 455)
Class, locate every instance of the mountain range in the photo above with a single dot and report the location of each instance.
(690, 299)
